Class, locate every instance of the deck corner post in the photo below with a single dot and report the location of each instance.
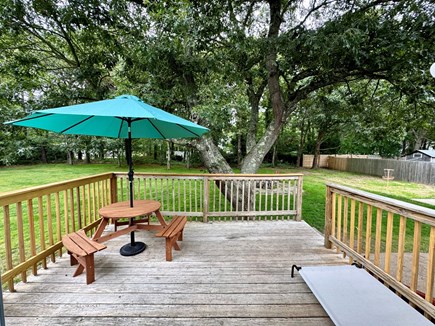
(328, 217)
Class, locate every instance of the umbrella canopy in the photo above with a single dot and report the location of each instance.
(110, 118)
(125, 116)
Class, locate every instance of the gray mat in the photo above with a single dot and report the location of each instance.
(351, 296)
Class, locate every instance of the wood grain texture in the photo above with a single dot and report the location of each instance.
(234, 273)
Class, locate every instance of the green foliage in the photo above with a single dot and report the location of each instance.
(205, 60)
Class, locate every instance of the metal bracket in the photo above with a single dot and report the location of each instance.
(293, 269)
(357, 264)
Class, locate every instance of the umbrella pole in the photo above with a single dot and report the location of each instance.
(132, 248)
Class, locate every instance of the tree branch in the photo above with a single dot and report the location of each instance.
(32, 31)
(68, 40)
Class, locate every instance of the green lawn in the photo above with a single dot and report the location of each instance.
(313, 209)
(13, 178)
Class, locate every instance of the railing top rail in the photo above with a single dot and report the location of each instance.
(396, 205)
(29, 193)
(256, 176)
(214, 175)
(32, 192)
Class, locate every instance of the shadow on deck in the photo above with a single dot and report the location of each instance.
(234, 273)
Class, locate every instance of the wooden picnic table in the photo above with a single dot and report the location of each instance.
(122, 210)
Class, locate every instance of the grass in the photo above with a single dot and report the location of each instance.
(313, 208)
(19, 177)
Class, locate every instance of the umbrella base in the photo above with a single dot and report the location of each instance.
(131, 250)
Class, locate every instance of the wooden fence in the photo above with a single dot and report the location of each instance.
(307, 159)
(34, 220)
(411, 171)
(402, 254)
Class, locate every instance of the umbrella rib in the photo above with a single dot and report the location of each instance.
(37, 117)
(188, 130)
(76, 124)
(163, 136)
(120, 127)
(123, 119)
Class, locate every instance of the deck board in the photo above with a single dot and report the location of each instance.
(227, 273)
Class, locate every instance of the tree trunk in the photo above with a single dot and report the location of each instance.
(187, 156)
(319, 141)
(404, 147)
(303, 128)
(256, 151)
(212, 158)
(239, 149)
(101, 149)
(252, 161)
(44, 158)
(252, 132)
(119, 157)
(255, 156)
(214, 162)
(87, 157)
(425, 144)
(168, 156)
(274, 154)
(254, 101)
(419, 136)
(70, 157)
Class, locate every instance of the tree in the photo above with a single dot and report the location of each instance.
(61, 52)
(218, 62)
(384, 121)
(328, 114)
(294, 50)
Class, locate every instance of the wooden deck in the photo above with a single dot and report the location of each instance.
(234, 273)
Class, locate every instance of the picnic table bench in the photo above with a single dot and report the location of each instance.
(172, 233)
(81, 250)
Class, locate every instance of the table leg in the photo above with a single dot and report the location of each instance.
(161, 218)
(100, 229)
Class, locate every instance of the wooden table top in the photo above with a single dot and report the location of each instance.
(123, 209)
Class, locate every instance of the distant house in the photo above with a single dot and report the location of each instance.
(422, 156)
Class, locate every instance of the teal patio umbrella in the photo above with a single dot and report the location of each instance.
(125, 116)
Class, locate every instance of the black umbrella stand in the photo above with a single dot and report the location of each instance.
(132, 248)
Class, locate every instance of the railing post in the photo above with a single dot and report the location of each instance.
(8, 244)
(299, 200)
(430, 266)
(79, 208)
(113, 189)
(206, 199)
(328, 217)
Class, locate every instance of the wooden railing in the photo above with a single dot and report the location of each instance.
(216, 197)
(393, 240)
(34, 220)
